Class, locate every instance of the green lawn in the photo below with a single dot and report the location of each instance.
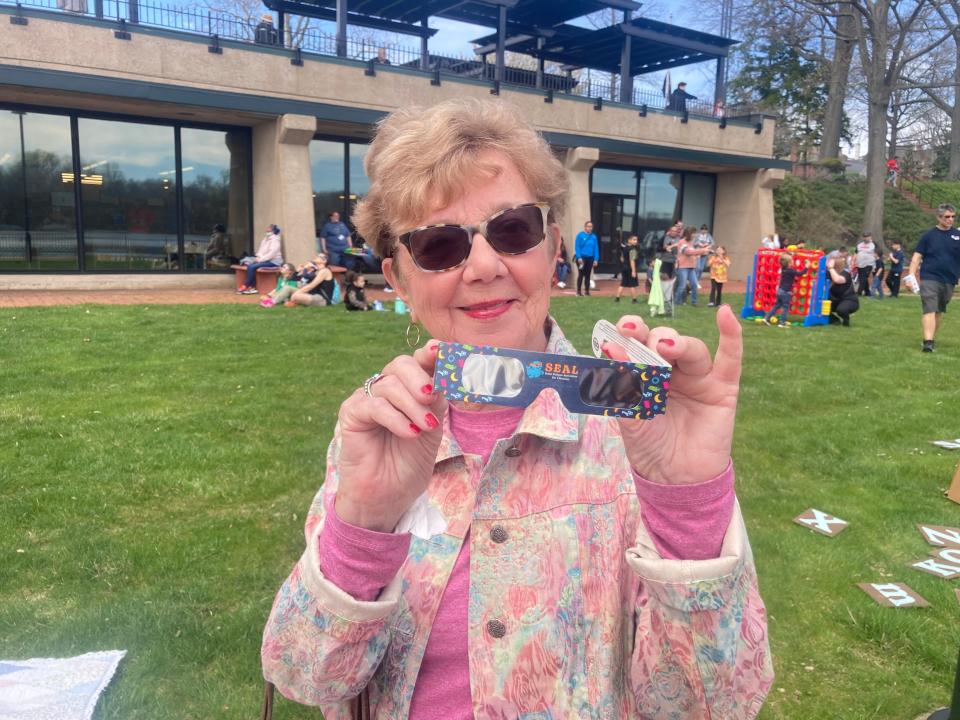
(156, 464)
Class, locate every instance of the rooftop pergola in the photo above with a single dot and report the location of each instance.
(539, 28)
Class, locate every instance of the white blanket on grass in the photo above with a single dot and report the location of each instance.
(61, 688)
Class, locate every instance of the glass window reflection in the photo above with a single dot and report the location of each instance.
(216, 209)
(129, 195)
(359, 182)
(37, 214)
(659, 201)
(327, 177)
(698, 194)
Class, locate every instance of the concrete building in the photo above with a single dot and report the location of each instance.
(123, 143)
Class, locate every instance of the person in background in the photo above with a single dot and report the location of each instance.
(679, 97)
(771, 242)
(937, 260)
(629, 268)
(719, 109)
(334, 239)
(668, 255)
(266, 33)
(687, 255)
(286, 286)
(876, 285)
(843, 296)
(269, 254)
(586, 250)
(467, 560)
(217, 253)
(865, 259)
(356, 299)
(703, 240)
(893, 170)
(563, 266)
(788, 274)
(896, 268)
(318, 291)
(719, 267)
(381, 57)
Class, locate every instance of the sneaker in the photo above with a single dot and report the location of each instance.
(561, 284)
(249, 291)
(927, 346)
(616, 299)
(593, 285)
(634, 300)
(267, 302)
(289, 303)
(241, 289)
(711, 304)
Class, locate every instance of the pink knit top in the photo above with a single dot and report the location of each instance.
(686, 522)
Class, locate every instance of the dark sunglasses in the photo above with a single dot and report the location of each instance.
(514, 231)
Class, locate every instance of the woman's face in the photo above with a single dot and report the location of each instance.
(490, 299)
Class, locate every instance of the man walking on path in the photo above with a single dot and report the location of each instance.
(937, 259)
(586, 250)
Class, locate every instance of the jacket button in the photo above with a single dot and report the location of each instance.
(498, 534)
(496, 629)
(512, 451)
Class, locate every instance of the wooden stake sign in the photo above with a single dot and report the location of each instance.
(940, 536)
(954, 492)
(893, 595)
(944, 563)
(820, 522)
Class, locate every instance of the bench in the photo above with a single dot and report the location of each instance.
(266, 278)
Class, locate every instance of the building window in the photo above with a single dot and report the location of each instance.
(37, 201)
(128, 190)
(132, 213)
(698, 194)
(328, 179)
(215, 167)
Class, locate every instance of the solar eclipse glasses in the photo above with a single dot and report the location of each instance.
(591, 385)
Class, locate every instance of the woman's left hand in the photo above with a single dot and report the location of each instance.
(691, 442)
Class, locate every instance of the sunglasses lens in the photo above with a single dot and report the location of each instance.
(517, 230)
(439, 248)
(492, 375)
(611, 388)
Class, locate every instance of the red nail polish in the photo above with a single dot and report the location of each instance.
(431, 421)
(603, 349)
(629, 326)
(426, 389)
(415, 428)
(668, 342)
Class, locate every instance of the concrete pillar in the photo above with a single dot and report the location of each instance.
(744, 214)
(577, 162)
(282, 189)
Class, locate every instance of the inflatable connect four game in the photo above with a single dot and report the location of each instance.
(809, 292)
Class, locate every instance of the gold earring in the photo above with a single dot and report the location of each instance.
(412, 344)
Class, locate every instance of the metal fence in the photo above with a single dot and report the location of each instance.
(297, 33)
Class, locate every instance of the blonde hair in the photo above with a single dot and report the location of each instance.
(430, 155)
(786, 259)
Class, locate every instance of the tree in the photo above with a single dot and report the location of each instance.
(888, 41)
(833, 116)
(777, 78)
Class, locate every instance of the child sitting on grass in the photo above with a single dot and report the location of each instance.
(286, 286)
(788, 274)
(356, 299)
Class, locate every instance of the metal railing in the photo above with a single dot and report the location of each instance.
(925, 193)
(297, 34)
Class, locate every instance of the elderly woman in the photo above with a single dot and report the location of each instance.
(465, 561)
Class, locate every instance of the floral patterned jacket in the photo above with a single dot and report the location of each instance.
(572, 612)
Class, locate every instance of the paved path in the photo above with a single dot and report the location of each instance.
(32, 298)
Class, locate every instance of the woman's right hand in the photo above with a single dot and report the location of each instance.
(389, 442)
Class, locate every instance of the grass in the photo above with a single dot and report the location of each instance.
(156, 464)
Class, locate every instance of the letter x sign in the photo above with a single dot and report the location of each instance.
(820, 522)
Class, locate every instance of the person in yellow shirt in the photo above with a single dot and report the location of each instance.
(719, 264)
